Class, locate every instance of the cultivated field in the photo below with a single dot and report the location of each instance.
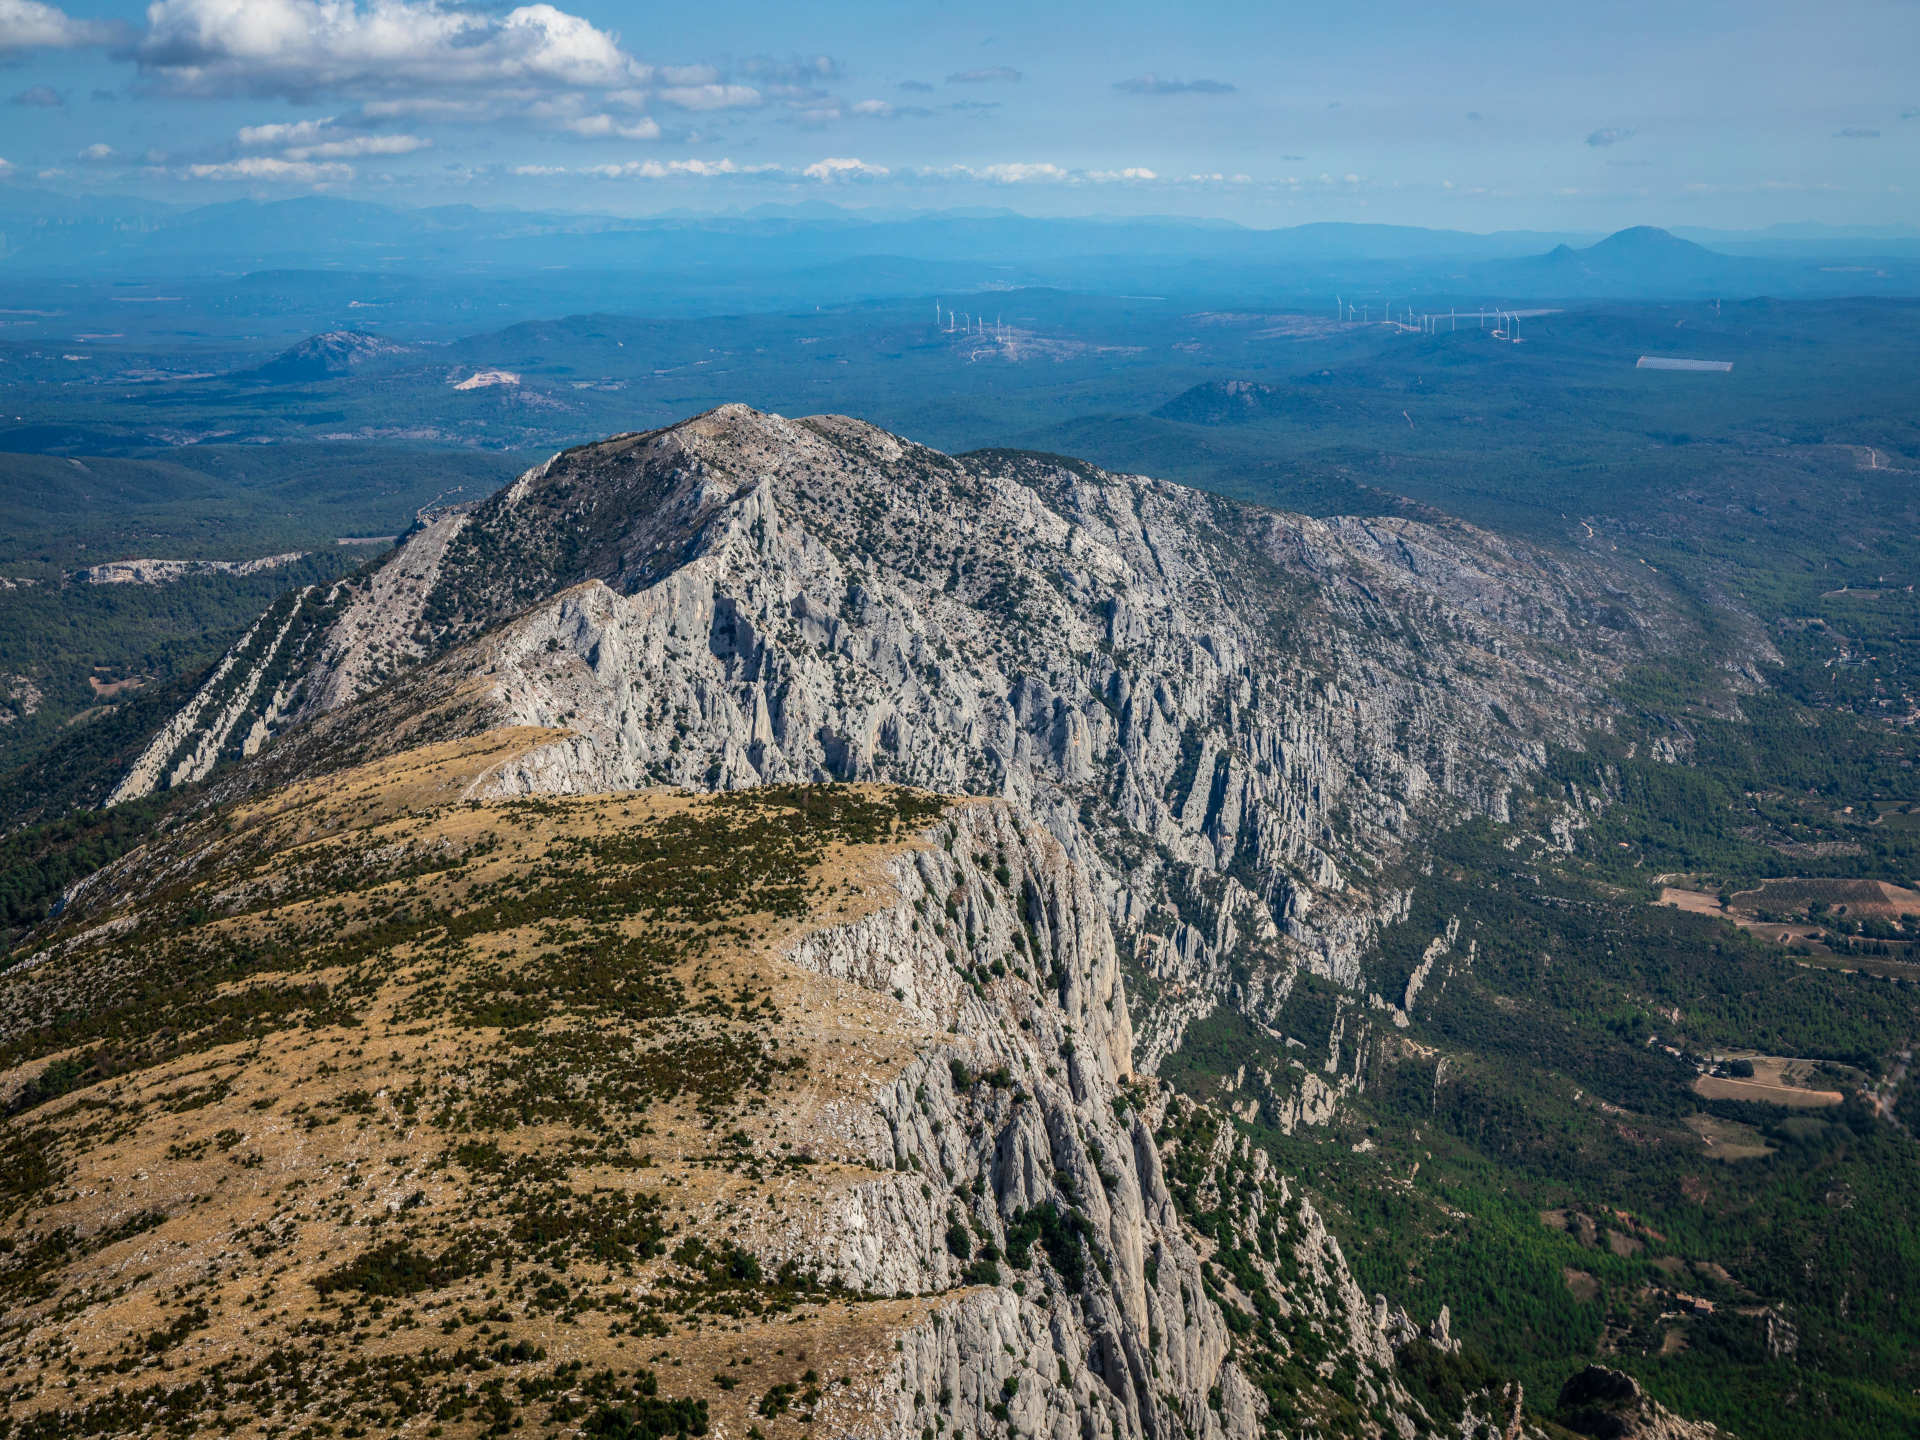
(1777, 1080)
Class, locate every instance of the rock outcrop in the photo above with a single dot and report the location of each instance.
(165, 572)
(1608, 1404)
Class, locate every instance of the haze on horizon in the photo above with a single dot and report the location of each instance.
(1488, 116)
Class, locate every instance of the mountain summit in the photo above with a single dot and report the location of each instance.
(1642, 261)
(1170, 682)
(328, 356)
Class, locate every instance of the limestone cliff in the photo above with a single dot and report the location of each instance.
(1231, 718)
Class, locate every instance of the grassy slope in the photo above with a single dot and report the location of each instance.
(464, 1088)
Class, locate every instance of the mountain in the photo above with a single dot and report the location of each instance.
(327, 357)
(1162, 677)
(742, 928)
(1643, 262)
(1242, 402)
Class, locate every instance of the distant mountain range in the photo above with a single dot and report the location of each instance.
(820, 254)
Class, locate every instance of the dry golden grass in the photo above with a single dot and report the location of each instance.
(1794, 1097)
(239, 1174)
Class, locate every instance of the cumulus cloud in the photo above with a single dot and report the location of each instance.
(653, 170)
(1151, 84)
(97, 153)
(30, 25)
(6, 166)
(291, 132)
(302, 47)
(605, 127)
(1012, 172)
(874, 109)
(42, 96)
(1045, 172)
(1022, 173)
(843, 168)
(354, 146)
(325, 139)
(992, 75)
(272, 167)
(1856, 132)
(1608, 135)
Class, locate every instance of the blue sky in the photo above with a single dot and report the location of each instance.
(1479, 116)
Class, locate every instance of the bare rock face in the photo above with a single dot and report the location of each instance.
(1230, 717)
(1610, 1405)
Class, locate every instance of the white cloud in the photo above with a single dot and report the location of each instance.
(30, 25)
(876, 109)
(271, 167)
(653, 170)
(292, 132)
(1020, 173)
(98, 153)
(840, 167)
(1024, 172)
(711, 96)
(322, 139)
(605, 127)
(357, 145)
(6, 166)
(301, 47)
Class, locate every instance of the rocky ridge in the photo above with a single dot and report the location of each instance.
(1235, 720)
